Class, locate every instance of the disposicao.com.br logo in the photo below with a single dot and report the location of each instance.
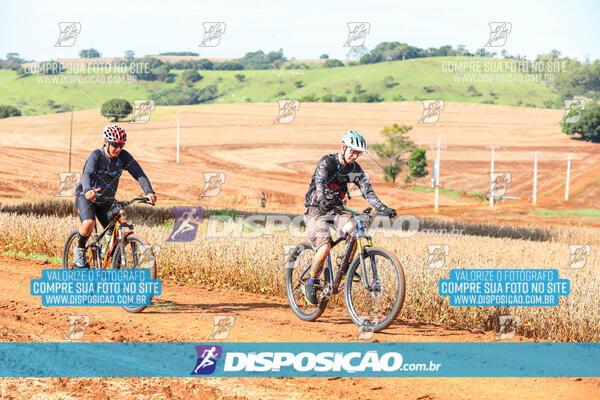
(369, 362)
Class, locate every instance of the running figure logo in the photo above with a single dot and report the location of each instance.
(223, 325)
(579, 255)
(287, 111)
(357, 33)
(186, 223)
(499, 183)
(499, 32)
(68, 183)
(431, 111)
(437, 255)
(573, 110)
(68, 34)
(288, 250)
(141, 111)
(366, 329)
(508, 327)
(207, 359)
(212, 34)
(212, 184)
(77, 324)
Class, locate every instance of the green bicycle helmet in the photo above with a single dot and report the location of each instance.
(355, 141)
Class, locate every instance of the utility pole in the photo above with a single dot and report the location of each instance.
(568, 176)
(71, 139)
(178, 139)
(535, 160)
(492, 174)
(436, 171)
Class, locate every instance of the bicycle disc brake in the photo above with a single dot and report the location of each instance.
(325, 292)
(376, 289)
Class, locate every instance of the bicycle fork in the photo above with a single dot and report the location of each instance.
(367, 284)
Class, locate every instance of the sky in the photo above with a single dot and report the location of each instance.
(304, 29)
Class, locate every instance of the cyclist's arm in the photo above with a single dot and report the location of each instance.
(89, 171)
(321, 178)
(134, 168)
(361, 180)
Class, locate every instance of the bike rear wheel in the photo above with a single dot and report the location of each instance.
(300, 259)
(375, 307)
(137, 255)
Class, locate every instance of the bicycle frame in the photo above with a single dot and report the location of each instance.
(119, 221)
(355, 243)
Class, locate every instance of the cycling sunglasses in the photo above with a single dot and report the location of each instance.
(115, 144)
(355, 152)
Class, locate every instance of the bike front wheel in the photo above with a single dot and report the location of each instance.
(134, 253)
(374, 301)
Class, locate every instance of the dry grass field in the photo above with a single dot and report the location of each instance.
(254, 265)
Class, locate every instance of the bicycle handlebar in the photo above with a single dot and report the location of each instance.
(366, 212)
(124, 203)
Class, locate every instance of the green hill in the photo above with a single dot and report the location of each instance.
(410, 80)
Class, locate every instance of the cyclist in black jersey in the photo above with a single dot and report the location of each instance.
(100, 177)
(326, 192)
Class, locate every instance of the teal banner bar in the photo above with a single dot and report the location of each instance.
(299, 359)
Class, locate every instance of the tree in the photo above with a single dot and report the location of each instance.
(161, 73)
(9, 111)
(418, 163)
(22, 73)
(332, 63)
(51, 68)
(116, 109)
(324, 57)
(129, 55)
(588, 125)
(357, 52)
(191, 76)
(393, 149)
(89, 53)
(228, 66)
(148, 68)
(275, 55)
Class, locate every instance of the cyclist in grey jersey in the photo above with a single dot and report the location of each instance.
(326, 192)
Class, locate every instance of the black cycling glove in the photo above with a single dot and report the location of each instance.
(325, 205)
(389, 212)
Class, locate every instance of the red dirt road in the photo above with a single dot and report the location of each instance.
(184, 313)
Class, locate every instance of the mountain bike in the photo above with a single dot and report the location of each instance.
(121, 249)
(374, 283)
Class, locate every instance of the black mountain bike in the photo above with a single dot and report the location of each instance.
(121, 250)
(374, 283)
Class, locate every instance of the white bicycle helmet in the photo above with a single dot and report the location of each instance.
(355, 141)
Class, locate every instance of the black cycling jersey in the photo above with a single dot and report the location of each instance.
(331, 179)
(102, 171)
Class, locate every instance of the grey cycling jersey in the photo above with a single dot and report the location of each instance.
(330, 179)
(102, 171)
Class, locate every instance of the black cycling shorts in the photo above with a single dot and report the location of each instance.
(90, 210)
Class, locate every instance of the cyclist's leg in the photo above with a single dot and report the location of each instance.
(346, 225)
(317, 228)
(87, 215)
(102, 213)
